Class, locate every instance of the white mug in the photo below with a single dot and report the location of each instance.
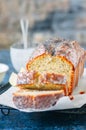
(20, 56)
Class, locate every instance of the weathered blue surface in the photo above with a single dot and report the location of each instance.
(38, 121)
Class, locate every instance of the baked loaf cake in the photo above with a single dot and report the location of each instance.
(36, 99)
(52, 72)
(56, 57)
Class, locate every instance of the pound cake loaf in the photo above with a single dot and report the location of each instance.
(52, 72)
(58, 56)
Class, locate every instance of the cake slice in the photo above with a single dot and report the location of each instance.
(25, 99)
(47, 81)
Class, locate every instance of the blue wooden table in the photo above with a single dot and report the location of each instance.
(17, 120)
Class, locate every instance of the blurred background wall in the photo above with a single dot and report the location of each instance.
(47, 18)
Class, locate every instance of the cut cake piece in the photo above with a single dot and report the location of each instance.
(46, 81)
(24, 99)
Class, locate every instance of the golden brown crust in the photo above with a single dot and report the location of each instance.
(37, 57)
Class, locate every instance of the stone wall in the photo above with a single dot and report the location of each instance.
(65, 18)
